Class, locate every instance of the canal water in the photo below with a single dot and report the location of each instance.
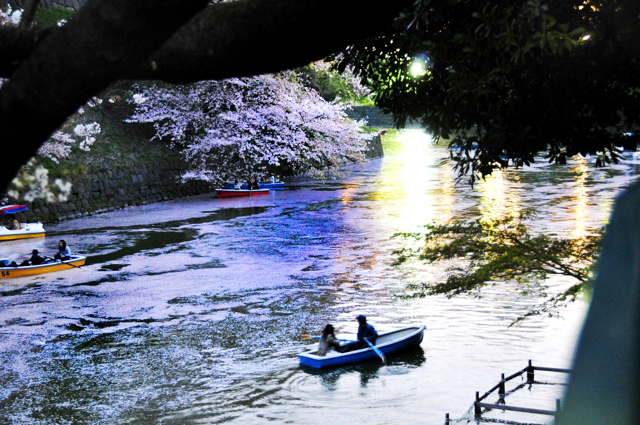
(194, 311)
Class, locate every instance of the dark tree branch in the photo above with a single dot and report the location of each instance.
(238, 39)
(104, 39)
(256, 37)
(110, 40)
(17, 44)
(28, 13)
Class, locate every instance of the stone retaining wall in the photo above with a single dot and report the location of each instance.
(117, 188)
(374, 149)
(52, 4)
(374, 116)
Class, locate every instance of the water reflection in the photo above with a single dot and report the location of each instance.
(412, 179)
(580, 198)
(446, 194)
(500, 197)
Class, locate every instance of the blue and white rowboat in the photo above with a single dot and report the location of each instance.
(388, 343)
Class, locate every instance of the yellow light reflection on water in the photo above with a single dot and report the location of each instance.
(498, 199)
(348, 194)
(580, 199)
(414, 176)
(417, 188)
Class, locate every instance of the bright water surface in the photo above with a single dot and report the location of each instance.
(194, 311)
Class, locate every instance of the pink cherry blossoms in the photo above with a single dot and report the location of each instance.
(269, 124)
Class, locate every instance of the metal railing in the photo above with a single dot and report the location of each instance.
(530, 370)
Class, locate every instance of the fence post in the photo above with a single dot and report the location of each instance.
(446, 419)
(476, 405)
(501, 390)
(530, 374)
(558, 406)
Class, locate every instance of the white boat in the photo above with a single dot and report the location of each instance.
(26, 230)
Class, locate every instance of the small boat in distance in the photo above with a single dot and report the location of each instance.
(234, 193)
(274, 185)
(7, 271)
(26, 230)
(388, 342)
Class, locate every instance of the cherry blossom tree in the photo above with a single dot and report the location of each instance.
(266, 124)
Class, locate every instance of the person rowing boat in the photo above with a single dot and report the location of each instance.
(365, 332)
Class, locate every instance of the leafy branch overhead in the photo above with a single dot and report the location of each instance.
(506, 81)
(499, 250)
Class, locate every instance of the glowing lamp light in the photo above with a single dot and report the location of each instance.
(417, 69)
(419, 66)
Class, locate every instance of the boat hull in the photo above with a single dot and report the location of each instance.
(388, 343)
(11, 272)
(29, 230)
(235, 193)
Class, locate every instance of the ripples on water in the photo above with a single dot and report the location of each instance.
(194, 311)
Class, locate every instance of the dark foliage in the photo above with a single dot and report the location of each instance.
(507, 80)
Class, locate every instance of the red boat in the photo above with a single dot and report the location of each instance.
(233, 193)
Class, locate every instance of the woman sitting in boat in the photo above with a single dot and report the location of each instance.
(64, 253)
(328, 341)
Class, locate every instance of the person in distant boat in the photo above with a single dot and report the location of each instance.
(365, 331)
(237, 185)
(328, 341)
(272, 179)
(64, 253)
(253, 184)
(14, 224)
(35, 259)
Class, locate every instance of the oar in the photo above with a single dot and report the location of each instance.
(377, 350)
(78, 267)
(69, 264)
